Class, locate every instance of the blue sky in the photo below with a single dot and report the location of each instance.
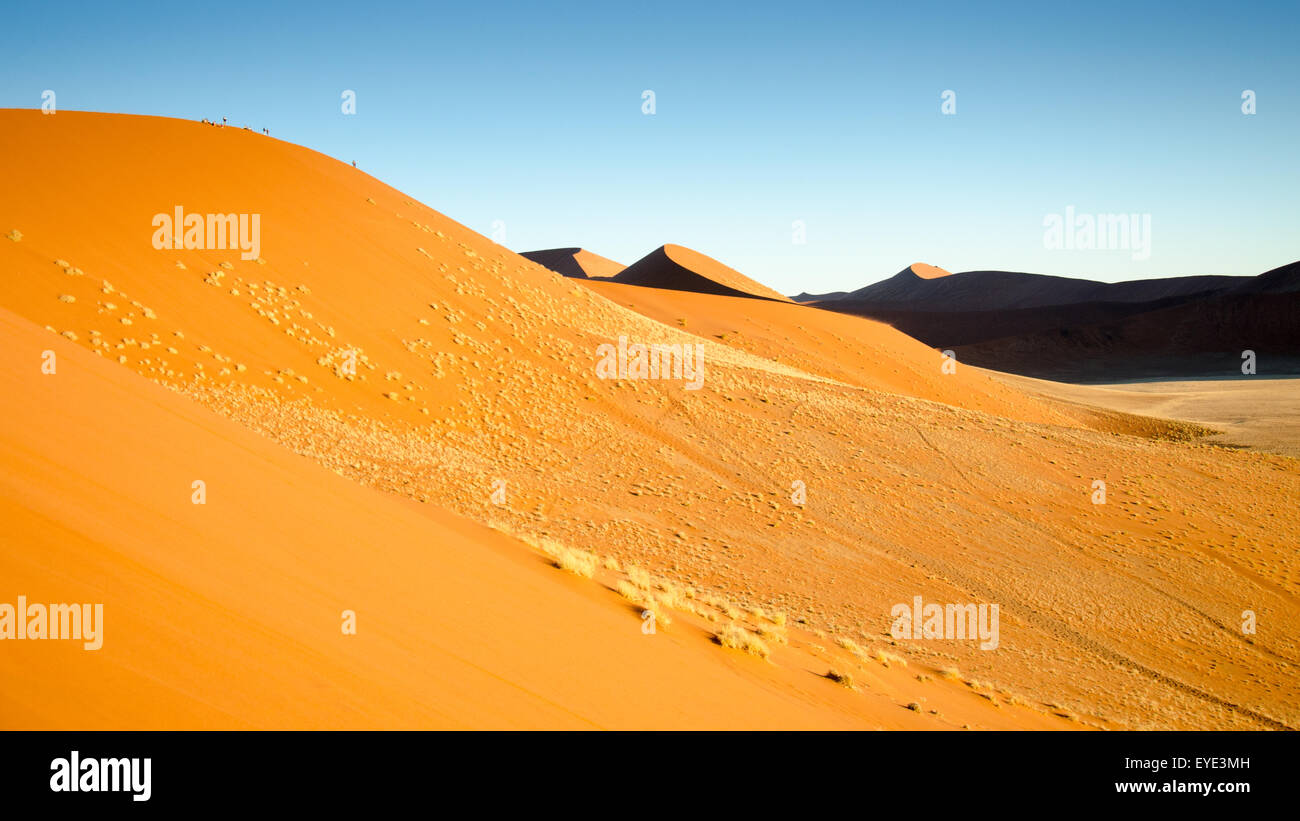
(827, 113)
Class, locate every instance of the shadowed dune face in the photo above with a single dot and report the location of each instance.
(1281, 280)
(915, 271)
(828, 472)
(577, 263)
(675, 268)
(1009, 290)
(1202, 337)
(1058, 328)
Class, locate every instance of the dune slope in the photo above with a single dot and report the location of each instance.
(230, 613)
(828, 485)
(846, 348)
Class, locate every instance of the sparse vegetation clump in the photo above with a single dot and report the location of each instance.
(578, 562)
(886, 658)
(738, 638)
(950, 673)
(852, 646)
(640, 578)
(629, 592)
(840, 678)
(646, 601)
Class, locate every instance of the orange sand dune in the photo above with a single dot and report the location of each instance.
(230, 613)
(574, 262)
(681, 269)
(818, 473)
(847, 348)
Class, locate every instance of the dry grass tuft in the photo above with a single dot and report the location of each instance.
(578, 562)
(852, 646)
(639, 577)
(886, 658)
(840, 678)
(738, 638)
(646, 601)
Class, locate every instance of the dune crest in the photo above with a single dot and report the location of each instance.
(676, 268)
(578, 263)
(925, 271)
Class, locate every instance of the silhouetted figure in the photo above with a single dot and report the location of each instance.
(354, 163)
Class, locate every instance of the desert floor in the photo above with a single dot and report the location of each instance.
(1257, 412)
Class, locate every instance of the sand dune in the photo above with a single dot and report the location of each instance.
(229, 614)
(1285, 279)
(919, 270)
(1059, 328)
(1198, 337)
(1008, 290)
(925, 271)
(578, 263)
(475, 372)
(848, 349)
(675, 268)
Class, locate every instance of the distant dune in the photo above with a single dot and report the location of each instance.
(1202, 337)
(1006, 290)
(675, 268)
(925, 271)
(578, 263)
(841, 347)
(394, 415)
(1056, 327)
(1282, 280)
(919, 270)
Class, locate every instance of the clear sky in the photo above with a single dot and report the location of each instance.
(765, 113)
